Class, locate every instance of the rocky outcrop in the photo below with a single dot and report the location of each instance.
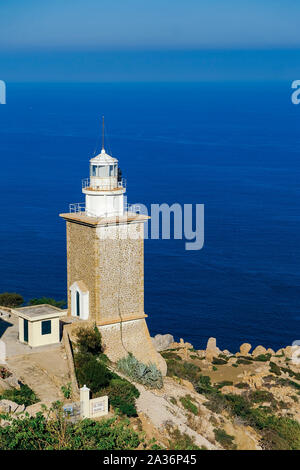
(211, 349)
(245, 349)
(162, 342)
(259, 350)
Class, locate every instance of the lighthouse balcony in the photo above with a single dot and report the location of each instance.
(79, 208)
(94, 185)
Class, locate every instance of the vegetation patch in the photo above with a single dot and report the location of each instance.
(243, 361)
(11, 299)
(188, 404)
(58, 433)
(171, 355)
(91, 367)
(263, 357)
(224, 439)
(224, 383)
(218, 361)
(260, 396)
(122, 395)
(184, 370)
(22, 396)
(181, 441)
(49, 301)
(146, 374)
(4, 373)
(243, 385)
(274, 368)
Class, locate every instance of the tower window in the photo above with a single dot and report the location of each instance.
(77, 304)
(94, 170)
(46, 327)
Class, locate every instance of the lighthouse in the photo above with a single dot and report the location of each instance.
(105, 263)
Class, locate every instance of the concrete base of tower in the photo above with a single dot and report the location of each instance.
(131, 336)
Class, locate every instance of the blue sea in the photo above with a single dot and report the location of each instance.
(234, 147)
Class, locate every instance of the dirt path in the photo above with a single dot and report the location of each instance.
(44, 372)
(161, 412)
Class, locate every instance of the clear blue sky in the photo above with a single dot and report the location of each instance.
(154, 39)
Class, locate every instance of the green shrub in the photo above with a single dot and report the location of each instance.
(288, 383)
(260, 396)
(274, 368)
(66, 390)
(224, 383)
(243, 361)
(23, 396)
(204, 385)
(122, 395)
(170, 355)
(181, 441)
(242, 385)
(223, 356)
(262, 357)
(291, 372)
(218, 361)
(224, 439)
(91, 372)
(216, 402)
(49, 301)
(188, 404)
(148, 375)
(184, 370)
(88, 340)
(40, 433)
(11, 299)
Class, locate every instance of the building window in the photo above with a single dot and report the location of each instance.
(46, 327)
(94, 168)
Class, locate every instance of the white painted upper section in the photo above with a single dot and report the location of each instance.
(103, 158)
(103, 195)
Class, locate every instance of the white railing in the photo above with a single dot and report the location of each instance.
(80, 209)
(86, 184)
(132, 208)
(77, 207)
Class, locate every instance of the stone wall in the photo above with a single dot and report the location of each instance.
(83, 262)
(131, 336)
(121, 271)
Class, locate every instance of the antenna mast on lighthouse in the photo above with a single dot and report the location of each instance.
(102, 132)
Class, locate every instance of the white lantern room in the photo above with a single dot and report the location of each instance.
(103, 190)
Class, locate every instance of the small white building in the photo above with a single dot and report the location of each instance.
(39, 324)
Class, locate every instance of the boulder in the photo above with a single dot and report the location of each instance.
(259, 350)
(271, 351)
(8, 406)
(211, 344)
(162, 342)
(20, 409)
(12, 382)
(39, 407)
(245, 349)
(4, 385)
(211, 349)
(291, 351)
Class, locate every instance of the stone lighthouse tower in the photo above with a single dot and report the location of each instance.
(105, 263)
